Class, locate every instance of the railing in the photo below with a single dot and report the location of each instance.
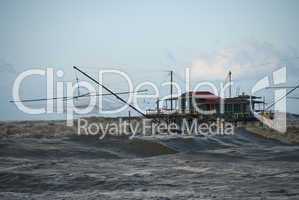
(161, 111)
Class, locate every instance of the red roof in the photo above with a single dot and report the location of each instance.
(204, 95)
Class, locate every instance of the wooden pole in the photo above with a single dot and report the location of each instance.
(171, 89)
(110, 91)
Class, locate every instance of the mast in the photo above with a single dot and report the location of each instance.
(171, 89)
(264, 100)
(77, 80)
(157, 105)
(230, 83)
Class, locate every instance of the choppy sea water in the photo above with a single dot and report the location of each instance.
(242, 166)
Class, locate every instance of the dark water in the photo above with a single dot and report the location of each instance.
(224, 167)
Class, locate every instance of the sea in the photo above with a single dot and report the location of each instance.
(239, 166)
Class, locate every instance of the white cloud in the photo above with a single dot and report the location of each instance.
(245, 61)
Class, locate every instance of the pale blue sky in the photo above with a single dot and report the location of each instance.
(136, 35)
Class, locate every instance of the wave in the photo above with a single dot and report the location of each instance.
(242, 144)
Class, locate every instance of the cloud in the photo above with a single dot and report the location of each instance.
(245, 61)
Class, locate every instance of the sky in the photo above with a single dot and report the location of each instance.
(145, 39)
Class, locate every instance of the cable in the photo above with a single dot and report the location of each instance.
(289, 92)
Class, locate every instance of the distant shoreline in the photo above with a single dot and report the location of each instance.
(49, 128)
(54, 128)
